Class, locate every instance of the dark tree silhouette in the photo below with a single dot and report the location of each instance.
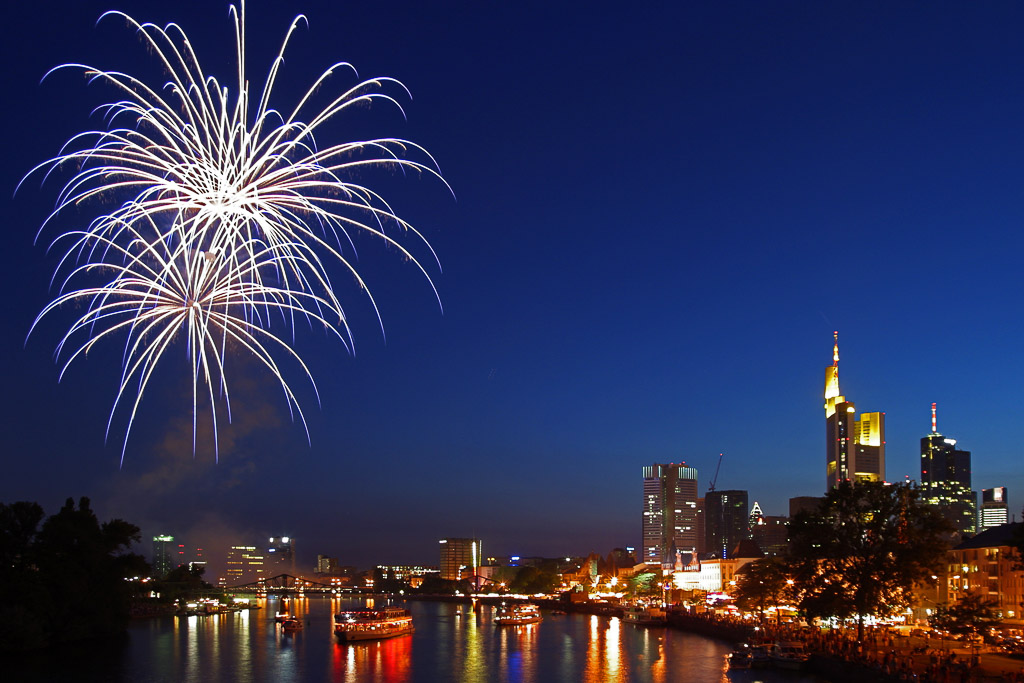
(65, 580)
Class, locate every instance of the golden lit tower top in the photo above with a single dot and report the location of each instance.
(832, 395)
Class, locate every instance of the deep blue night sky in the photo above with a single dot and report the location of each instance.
(662, 212)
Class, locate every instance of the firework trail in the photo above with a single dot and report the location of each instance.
(230, 217)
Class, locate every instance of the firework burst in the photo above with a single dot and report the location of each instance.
(231, 217)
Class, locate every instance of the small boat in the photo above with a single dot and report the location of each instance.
(759, 656)
(291, 624)
(741, 657)
(517, 614)
(645, 615)
(373, 624)
(789, 655)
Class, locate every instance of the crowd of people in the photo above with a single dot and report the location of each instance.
(885, 653)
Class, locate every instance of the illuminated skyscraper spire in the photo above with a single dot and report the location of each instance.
(935, 429)
(832, 395)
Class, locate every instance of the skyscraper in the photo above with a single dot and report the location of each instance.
(946, 479)
(164, 555)
(994, 508)
(280, 555)
(854, 449)
(245, 564)
(771, 534)
(726, 521)
(669, 512)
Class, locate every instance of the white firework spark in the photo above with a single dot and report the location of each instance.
(231, 215)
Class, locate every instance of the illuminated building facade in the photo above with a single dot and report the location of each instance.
(854, 448)
(986, 565)
(245, 564)
(726, 521)
(946, 480)
(669, 513)
(460, 558)
(995, 508)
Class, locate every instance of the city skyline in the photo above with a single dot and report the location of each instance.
(661, 216)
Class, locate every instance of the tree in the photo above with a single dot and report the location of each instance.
(971, 614)
(530, 580)
(63, 580)
(84, 565)
(863, 550)
(24, 601)
(762, 584)
(644, 584)
(182, 583)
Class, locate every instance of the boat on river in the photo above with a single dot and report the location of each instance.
(740, 658)
(373, 624)
(517, 614)
(291, 624)
(789, 655)
(645, 615)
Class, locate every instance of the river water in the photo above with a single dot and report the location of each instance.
(451, 643)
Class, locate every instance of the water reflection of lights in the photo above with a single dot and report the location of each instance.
(386, 661)
(612, 648)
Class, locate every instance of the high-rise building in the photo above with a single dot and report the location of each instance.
(280, 555)
(701, 529)
(669, 513)
(164, 555)
(771, 534)
(726, 521)
(854, 448)
(245, 564)
(946, 479)
(460, 558)
(755, 514)
(995, 509)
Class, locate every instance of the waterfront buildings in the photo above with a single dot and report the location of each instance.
(994, 508)
(985, 566)
(946, 479)
(669, 513)
(413, 575)
(460, 558)
(854, 448)
(717, 575)
(726, 521)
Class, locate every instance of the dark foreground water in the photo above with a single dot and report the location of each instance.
(451, 643)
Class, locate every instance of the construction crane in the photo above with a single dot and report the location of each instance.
(715, 479)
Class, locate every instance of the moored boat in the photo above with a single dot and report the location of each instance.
(517, 614)
(645, 615)
(789, 655)
(291, 624)
(740, 657)
(373, 624)
(759, 656)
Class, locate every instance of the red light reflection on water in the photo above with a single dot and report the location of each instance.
(380, 661)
